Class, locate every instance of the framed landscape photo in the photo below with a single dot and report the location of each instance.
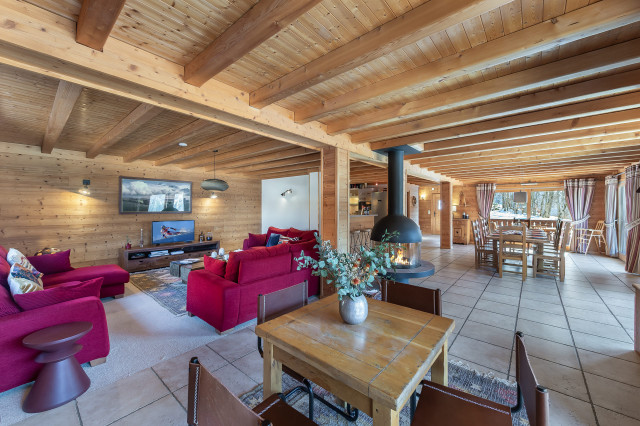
(141, 195)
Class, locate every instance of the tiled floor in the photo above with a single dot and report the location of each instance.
(578, 334)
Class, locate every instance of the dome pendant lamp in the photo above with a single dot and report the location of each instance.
(214, 184)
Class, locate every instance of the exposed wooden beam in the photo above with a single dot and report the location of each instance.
(278, 155)
(589, 163)
(291, 162)
(564, 126)
(586, 65)
(264, 20)
(570, 138)
(549, 100)
(136, 118)
(304, 166)
(427, 19)
(584, 22)
(167, 140)
(96, 20)
(286, 174)
(261, 147)
(63, 103)
(552, 115)
(229, 140)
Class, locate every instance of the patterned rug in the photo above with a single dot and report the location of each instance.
(461, 377)
(170, 292)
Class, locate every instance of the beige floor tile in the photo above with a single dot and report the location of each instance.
(110, 403)
(235, 380)
(613, 348)
(613, 395)
(165, 411)
(601, 317)
(174, 372)
(552, 351)
(541, 297)
(465, 291)
(66, 415)
(454, 309)
(578, 295)
(500, 298)
(458, 322)
(559, 378)
(476, 278)
(536, 305)
(182, 395)
(612, 368)
(491, 356)
(543, 317)
(608, 417)
(614, 332)
(583, 304)
(236, 345)
(543, 331)
(487, 333)
(491, 318)
(251, 365)
(459, 299)
(500, 289)
(497, 307)
(569, 411)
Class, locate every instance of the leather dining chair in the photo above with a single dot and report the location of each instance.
(445, 406)
(281, 302)
(210, 403)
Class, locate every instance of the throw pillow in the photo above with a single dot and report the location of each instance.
(257, 240)
(303, 235)
(215, 266)
(52, 263)
(22, 280)
(272, 230)
(59, 293)
(47, 250)
(288, 240)
(273, 240)
(14, 256)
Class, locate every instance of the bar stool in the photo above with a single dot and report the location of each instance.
(366, 237)
(355, 240)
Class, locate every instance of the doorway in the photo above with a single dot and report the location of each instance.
(435, 217)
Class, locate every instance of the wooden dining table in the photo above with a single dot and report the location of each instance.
(375, 366)
(534, 236)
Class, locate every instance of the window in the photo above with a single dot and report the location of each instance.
(549, 205)
(504, 207)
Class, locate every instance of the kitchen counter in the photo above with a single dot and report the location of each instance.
(361, 221)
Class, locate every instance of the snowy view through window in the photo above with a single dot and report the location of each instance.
(544, 205)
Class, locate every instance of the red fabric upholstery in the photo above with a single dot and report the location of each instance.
(213, 299)
(52, 263)
(3, 252)
(235, 257)
(59, 293)
(113, 275)
(215, 266)
(7, 304)
(255, 240)
(263, 267)
(273, 230)
(303, 235)
(17, 365)
(4, 272)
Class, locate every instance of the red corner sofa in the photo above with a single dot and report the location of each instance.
(232, 299)
(17, 365)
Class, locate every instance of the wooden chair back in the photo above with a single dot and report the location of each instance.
(509, 240)
(282, 302)
(564, 238)
(210, 403)
(599, 229)
(414, 297)
(534, 396)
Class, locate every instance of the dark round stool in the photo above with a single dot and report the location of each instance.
(61, 378)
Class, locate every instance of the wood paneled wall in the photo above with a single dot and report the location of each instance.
(413, 211)
(425, 203)
(41, 206)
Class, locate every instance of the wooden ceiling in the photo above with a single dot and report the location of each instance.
(497, 90)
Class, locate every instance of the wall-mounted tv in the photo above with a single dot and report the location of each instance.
(154, 196)
(172, 231)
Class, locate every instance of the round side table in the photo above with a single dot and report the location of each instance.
(61, 378)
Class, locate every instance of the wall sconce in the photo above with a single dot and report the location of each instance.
(423, 197)
(85, 187)
(453, 208)
(213, 195)
(288, 191)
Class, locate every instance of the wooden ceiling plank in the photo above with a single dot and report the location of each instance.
(294, 161)
(293, 167)
(582, 66)
(285, 153)
(578, 95)
(568, 138)
(564, 113)
(96, 20)
(264, 20)
(66, 97)
(266, 146)
(167, 140)
(136, 118)
(285, 174)
(416, 24)
(587, 21)
(232, 139)
(515, 169)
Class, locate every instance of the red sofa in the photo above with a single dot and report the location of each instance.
(225, 302)
(17, 365)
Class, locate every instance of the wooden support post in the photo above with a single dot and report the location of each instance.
(446, 231)
(334, 225)
(636, 324)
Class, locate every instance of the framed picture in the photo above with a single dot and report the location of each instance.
(139, 195)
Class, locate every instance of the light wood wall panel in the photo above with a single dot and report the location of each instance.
(42, 208)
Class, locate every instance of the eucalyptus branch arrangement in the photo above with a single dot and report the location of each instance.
(351, 273)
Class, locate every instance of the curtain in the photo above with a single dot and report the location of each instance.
(579, 193)
(484, 196)
(610, 207)
(632, 174)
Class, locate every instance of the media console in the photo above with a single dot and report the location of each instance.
(143, 258)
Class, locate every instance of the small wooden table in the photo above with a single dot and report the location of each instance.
(61, 379)
(375, 366)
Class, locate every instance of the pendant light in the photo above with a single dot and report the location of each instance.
(214, 184)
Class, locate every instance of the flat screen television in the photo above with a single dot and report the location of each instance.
(173, 231)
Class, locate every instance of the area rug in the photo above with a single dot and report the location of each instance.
(170, 292)
(461, 377)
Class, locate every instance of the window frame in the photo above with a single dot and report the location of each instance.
(529, 190)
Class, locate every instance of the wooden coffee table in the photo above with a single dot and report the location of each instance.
(61, 379)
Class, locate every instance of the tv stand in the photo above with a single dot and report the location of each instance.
(141, 259)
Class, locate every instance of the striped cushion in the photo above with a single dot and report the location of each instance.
(22, 280)
(288, 240)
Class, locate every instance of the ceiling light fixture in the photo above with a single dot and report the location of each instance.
(182, 144)
(213, 195)
(85, 187)
(214, 184)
